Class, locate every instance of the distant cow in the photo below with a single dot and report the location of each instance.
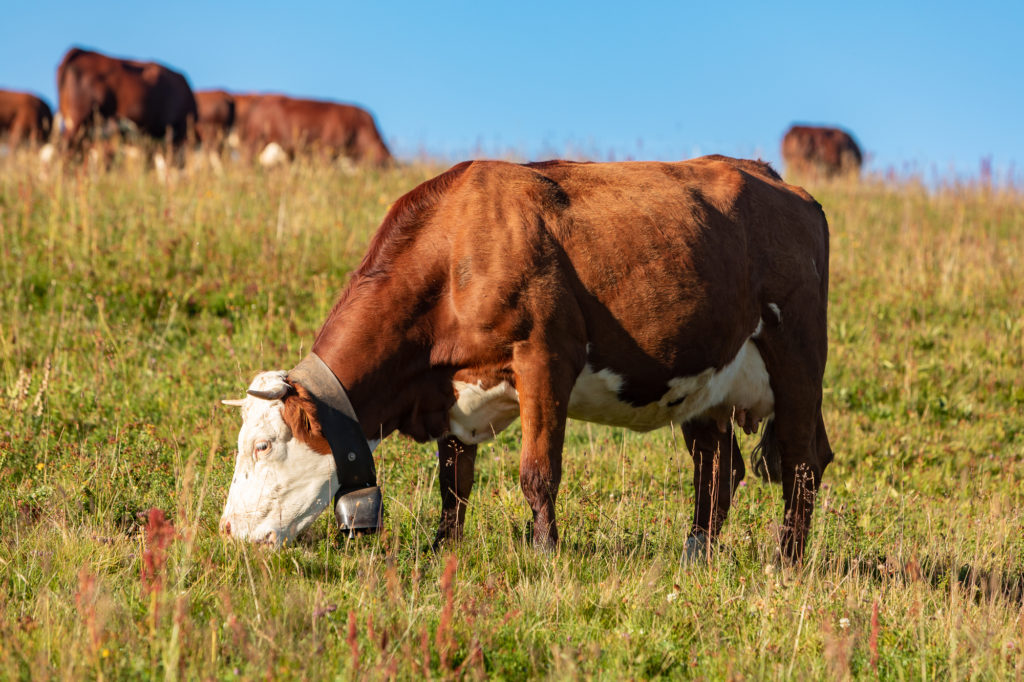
(298, 125)
(243, 104)
(95, 89)
(811, 150)
(632, 294)
(24, 118)
(216, 115)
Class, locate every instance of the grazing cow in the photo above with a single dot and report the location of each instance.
(298, 125)
(811, 150)
(216, 111)
(95, 89)
(23, 118)
(631, 294)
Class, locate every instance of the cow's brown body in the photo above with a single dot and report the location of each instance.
(24, 118)
(243, 105)
(821, 151)
(299, 125)
(642, 277)
(216, 111)
(95, 89)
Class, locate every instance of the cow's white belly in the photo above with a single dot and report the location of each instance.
(481, 413)
(743, 384)
(740, 385)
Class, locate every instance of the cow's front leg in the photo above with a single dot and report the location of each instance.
(717, 470)
(456, 462)
(544, 383)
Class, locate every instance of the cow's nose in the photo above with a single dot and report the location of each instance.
(225, 528)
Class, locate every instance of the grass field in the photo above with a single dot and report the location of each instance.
(130, 306)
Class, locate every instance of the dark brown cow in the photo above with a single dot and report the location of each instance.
(95, 89)
(23, 118)
(828, 152)
(632, 294)
(216, 110)
(302, 124)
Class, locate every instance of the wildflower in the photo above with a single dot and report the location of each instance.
(39, 466)
(105, 653)
(160, 534)
(844, 623)
(672, 596)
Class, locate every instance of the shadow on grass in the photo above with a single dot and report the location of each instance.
(939, 572)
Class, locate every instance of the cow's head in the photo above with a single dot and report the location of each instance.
(284, 472)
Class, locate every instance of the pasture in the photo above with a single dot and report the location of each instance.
(131, 305)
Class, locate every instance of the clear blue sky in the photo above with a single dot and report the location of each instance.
(935, 85)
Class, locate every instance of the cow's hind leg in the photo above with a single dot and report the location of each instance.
(796, 438)
(457, 462)
(804, 452)
(717, 471)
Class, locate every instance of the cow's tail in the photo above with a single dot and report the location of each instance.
(766, 459)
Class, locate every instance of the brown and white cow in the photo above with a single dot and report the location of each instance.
(821, 151)
(631, 294)
(24, 118)
(298, 125)
(95, 89)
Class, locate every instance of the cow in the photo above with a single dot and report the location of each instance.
(216, 116)
(298, 125)
(635, 294)
(95, 89)
(24, 118)
(820, 151)
(243, 104)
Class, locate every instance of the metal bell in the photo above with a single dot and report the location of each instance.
(360, 511)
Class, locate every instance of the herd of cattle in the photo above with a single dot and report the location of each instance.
(102, 96)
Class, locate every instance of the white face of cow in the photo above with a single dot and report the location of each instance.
(280, 484)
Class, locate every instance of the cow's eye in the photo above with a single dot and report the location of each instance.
(262, 446)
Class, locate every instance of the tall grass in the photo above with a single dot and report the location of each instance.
(131, 303)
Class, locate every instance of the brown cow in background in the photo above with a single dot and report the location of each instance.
(243, 105)
(298, 125)
(216, 116)
(24, 118)
(815, 150)
(95, 89)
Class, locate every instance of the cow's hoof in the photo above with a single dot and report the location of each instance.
(545, 546)
(445, 540)
(698, 548)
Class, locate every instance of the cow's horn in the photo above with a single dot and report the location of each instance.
(276, 394)
(234, 403)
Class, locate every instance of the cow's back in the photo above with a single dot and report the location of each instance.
(654, 255)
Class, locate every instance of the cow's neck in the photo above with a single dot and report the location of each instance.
(378, 342)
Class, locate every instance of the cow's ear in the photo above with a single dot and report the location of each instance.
(300, 414)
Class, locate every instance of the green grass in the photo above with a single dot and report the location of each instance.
(130, 306)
